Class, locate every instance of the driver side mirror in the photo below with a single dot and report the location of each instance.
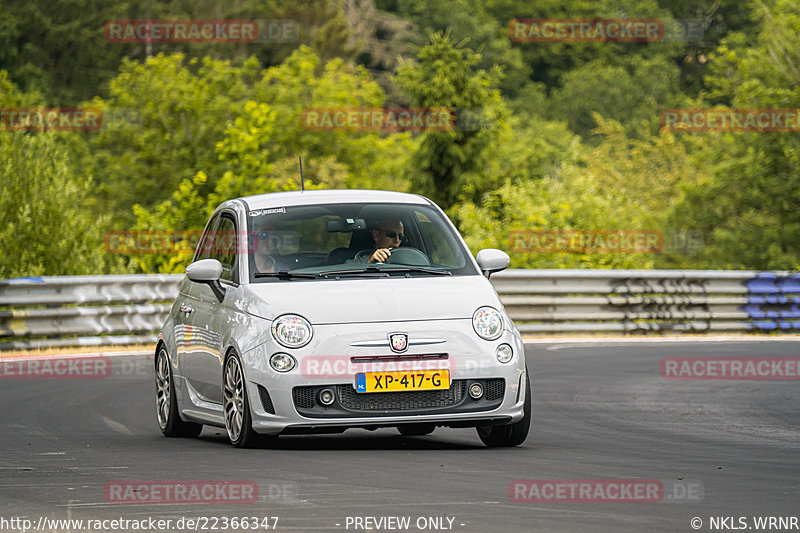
(491, 260)
(207, 271)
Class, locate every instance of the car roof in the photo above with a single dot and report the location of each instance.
(330, 196)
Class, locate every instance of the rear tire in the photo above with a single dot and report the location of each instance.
(169, 420)
(416, 430)
(513, 434)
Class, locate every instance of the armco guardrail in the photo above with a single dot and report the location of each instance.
(128, 309)
(84, 310)
(634, 301)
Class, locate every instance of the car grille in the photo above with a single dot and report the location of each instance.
(401, 401)
(348, 402)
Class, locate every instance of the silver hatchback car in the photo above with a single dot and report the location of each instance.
(319, 311)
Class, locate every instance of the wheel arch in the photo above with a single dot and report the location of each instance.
(232, 349)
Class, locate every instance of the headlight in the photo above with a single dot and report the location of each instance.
(291, 331)
(281, 362)
(488, 323)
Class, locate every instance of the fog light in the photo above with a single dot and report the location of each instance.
(504, 353)
(475, 391)
(326, 397)
(281, 362)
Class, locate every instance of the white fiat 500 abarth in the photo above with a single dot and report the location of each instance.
(320, 311)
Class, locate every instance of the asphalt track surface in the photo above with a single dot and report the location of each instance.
(601, 411)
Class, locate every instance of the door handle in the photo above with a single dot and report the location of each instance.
(186, 309)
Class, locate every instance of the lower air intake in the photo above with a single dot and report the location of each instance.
(266, 401)
(401, 401)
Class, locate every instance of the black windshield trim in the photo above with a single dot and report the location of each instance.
(370, 269)
(284, 274)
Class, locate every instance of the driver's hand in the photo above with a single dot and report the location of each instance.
(380, 255)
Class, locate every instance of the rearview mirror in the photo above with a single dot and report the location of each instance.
(207, 271)
(491, 260)
(346, 225)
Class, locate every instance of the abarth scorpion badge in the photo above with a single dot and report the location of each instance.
(398, 342)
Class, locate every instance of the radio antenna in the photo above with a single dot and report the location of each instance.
(302, 181)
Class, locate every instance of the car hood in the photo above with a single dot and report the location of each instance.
(371, 300)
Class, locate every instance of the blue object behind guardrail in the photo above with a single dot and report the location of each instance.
(774, 298)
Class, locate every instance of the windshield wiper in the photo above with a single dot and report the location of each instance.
(418, 269)
(284, 274)
(372, 269)
(369, 270)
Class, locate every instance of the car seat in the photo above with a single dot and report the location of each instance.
(360, 240)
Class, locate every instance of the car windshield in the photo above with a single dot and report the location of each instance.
(366, 241)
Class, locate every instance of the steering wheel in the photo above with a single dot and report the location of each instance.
(408, 256)
(399, 256)
(363, 254)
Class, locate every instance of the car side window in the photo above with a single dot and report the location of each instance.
(224, 248)
(205, 247)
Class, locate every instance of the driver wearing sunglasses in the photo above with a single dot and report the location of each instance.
(389, 234)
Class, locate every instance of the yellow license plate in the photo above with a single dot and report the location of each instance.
(409, 380)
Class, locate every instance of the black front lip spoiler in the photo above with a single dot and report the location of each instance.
(305, 429)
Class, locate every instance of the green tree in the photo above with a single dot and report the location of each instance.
(627, 94)
(59, 48)
(46, 228)
(257, 151)
(449, 164)
(180, 110)
(467, 22)
(11, 96)
(322, 25)
(550, 61)
(302, 82)
(748, 205)
(553, 182)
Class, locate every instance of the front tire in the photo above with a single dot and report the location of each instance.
(512, 434)
(236, 407)
(169, 421)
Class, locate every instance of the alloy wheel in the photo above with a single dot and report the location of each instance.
(163, 386)
(233, 398)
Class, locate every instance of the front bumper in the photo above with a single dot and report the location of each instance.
(287, 402)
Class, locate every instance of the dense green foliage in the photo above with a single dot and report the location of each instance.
(50, 230)
(564, 135)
